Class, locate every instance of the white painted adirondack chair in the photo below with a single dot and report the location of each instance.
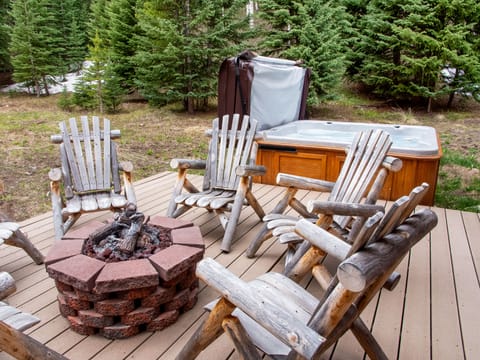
(277, 316)
(353, 194)
(228, 175)
(89, 173)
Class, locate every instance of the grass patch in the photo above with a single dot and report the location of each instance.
(458, 184)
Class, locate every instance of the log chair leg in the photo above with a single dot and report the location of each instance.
(20, 240)
(208, 331)
(367, 341)
(266, 233)
(242, 342)
(297, 271)
(234, 215)
(181, 177)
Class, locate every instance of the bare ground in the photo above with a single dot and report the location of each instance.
(151, 137)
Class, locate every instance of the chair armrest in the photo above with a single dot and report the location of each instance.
(188, 164)
(55, 174)
(344, 209)
(322, 239)
(126, 166)
(305, 183)
(250, 170)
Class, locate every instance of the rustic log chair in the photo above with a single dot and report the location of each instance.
(11, 234)
(13, 341)
(365, 169)
(228, 175)
(90, 171)
(276, 315)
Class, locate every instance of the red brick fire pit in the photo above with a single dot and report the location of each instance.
(120, 299)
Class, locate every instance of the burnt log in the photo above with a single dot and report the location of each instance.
(129, 242)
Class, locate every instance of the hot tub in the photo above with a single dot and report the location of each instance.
(316, 148)
(407, 139)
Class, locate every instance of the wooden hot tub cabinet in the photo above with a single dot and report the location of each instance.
(324, 162)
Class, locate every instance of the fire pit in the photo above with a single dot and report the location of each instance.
(127, 276)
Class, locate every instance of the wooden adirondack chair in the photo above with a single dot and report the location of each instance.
(276, 315)
(11, 234)
(90, 171)
(365, 169)
(228, 175)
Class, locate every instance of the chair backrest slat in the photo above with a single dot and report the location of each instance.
(242, 146)
(222, 149)
(79, 156)
(363, 160)
(87, 144)
(349, 166)
(72, 166)
(97, 146)
(231, 153)
(88, 156)
(229, 148)
(107, 155)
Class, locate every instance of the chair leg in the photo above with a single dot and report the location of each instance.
(243, 344)
(235, 215)
(20, 240)
(208, 331)
(367, 341)
(181, 177)
(265, 233)
(57, 209)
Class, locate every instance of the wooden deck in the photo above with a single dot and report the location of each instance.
(432, 314)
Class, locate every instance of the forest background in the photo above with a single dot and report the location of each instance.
(167, 53)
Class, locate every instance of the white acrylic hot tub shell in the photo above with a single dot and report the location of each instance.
(407, 139)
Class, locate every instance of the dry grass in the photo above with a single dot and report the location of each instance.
(151, 137)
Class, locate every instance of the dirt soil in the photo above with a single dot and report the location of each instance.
(151, 137)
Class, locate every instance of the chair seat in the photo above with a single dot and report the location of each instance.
(212, 199)
(284, 293)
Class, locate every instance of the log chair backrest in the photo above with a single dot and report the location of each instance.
(364, 157)
(230, 146)
(88, 156)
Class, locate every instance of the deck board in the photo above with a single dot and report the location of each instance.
(431, 314)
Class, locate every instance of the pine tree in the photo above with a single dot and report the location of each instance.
(5, 65)
(403, 46)
(99, 22)
(310, 30)
(182, 45)
(99, 87)
(121, 38)
(33, 33)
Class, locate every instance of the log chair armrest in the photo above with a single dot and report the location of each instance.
(250, 170)
(379, 259)
(126, 166)
(305, 183)
(322, 239)
(188, 164)
(343, 209)
(276, 319)
(55, 174)
(392, 163)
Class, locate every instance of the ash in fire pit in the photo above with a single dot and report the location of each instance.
(128, 237)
